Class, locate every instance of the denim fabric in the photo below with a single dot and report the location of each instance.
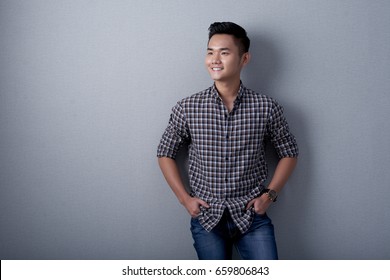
(257, 243)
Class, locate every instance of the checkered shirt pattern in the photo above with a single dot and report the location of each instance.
(227, 166)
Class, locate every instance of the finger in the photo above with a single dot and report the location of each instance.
(203, 203)
(195, 215)
(250, 204)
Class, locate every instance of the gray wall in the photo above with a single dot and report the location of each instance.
(86, 89)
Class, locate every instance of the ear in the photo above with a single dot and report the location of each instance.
(245, 58)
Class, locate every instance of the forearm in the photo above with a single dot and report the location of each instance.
(171, 173)
(172, 176)
(283, 171)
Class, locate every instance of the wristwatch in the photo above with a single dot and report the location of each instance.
(272, 195)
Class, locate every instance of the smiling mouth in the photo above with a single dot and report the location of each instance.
(216, 68)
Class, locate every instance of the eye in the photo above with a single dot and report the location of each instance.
(224, 53)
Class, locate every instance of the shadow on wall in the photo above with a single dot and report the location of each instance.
(263, 67)
(262, 72)
(259, 76)
(182, 163)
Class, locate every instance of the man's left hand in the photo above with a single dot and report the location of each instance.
(260, 204)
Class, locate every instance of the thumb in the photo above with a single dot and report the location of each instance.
(203, 203)
(250, 204)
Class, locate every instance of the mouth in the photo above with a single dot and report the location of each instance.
(216, 68)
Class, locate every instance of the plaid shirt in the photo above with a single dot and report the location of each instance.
(227, 166)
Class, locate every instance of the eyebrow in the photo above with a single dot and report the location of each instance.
(220, 49)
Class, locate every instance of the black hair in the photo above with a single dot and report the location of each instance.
(231, 28)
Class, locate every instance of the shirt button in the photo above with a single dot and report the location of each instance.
(226, 158)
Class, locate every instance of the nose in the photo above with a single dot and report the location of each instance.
(216, 59)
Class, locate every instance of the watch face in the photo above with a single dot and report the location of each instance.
(272, 194)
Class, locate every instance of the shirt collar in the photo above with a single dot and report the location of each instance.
(240, 95)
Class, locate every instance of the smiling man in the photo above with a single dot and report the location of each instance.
(226, 127)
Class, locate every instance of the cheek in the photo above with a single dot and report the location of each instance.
(207, 62)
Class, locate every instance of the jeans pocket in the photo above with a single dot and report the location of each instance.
(252, 209)
(196, 227)
(264, 215)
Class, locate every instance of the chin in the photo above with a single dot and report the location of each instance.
(216, 77)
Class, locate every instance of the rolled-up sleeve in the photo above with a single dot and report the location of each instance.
(175, 135)
(281, 137)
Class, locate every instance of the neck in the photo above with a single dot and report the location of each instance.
(228, 90)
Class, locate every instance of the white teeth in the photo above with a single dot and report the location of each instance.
(217, 69)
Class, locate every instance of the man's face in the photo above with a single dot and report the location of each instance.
(223, 60)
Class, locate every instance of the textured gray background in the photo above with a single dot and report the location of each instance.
(86, 89)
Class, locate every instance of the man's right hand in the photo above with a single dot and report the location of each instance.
(192, 204)
(172, 175)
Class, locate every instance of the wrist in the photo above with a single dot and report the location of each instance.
(271, 194)
(184, 198)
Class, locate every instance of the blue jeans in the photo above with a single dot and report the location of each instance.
(257, 243)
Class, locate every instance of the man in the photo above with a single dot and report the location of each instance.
(226, 127)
